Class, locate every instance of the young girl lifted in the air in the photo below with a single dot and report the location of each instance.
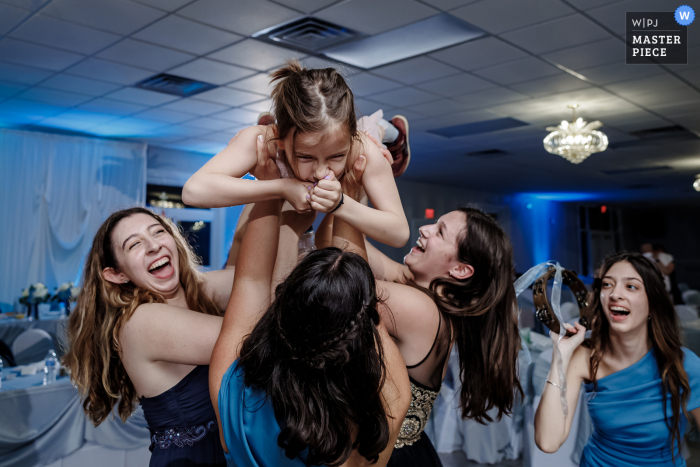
(317, 142)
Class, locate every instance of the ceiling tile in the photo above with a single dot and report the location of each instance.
(617, 72)
(252, 53)
(78, 85)
(24, 53)
(569, 31)
(519, 14)
(142, 96)
(259, 83)
(78, 120)
(307, 6)
(365, 107)
(455, 85)
(240, 116)
(479, 53)
(54, 97)
(109, 106)
(416, 70)
(10, 16)
(588, 4)
(167, 5)
(117, 16)
(518, 71)
(10, 89)
(342, 68)
(438, 107)
(550, 85)
(127, 128)
(108, 71)
(143, 55)
(64, 35)
(372, 17)
(490, 97)
(240, 16)
(22, 74)
(403, 97)
(211, 71)
(261, 106)
(164, 115)
(657, 91)
(363, 84)
(230, 97)
(192, 131)
(610, 50)
(447, 5)
(194, 106)
(212, 124)
(183, 34)
(34, 111)
(453, 120)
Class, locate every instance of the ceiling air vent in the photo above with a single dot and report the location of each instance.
(487, 154)
(175, 85)
(309, 34)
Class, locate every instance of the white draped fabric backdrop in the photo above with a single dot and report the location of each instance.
(55, 191)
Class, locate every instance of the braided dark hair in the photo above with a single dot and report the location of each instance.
(317, 354)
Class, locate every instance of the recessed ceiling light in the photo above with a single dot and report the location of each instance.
(418, 38)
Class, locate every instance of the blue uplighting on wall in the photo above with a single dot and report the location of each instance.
(534, 214)
(563, 197)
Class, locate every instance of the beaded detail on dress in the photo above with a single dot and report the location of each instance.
(181, 436)
(422, 400)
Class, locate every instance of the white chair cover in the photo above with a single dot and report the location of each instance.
(691, 297)
(31, 346)
(686, 314)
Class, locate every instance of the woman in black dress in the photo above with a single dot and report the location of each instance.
(143, 331)
(455, 288)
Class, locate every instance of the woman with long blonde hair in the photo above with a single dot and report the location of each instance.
(641, 385)
(143, 332)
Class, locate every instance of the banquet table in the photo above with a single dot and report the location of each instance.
(11, 328)
(45, 425)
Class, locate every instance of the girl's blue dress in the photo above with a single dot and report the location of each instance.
(629, 429)
(249, 424)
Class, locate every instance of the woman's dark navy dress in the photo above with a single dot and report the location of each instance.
(183, 425)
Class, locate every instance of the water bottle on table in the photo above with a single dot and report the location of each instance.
(50, 367)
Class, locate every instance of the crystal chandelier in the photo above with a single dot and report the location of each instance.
(577, 140)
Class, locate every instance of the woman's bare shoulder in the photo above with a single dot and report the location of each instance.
(406, 310)
(579, 362)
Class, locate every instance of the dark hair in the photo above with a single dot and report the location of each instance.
(317, 354)
(482, 311)
(662, 330)
(313, 101)
(104, 308)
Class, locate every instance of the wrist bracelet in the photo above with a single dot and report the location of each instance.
(342, 198)
(555, 385)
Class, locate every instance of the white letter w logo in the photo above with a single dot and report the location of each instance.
(685, 15)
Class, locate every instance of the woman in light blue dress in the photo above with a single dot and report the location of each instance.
(640, 384)
(311, 378)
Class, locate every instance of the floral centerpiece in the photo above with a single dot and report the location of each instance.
(33, 295)
(66, 293)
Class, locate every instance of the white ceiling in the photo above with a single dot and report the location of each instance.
(69, 65)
